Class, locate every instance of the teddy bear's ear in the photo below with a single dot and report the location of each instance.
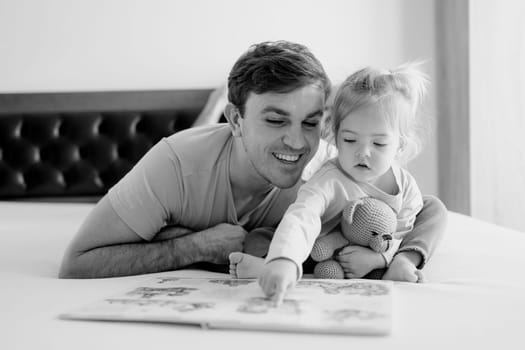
(350, 209)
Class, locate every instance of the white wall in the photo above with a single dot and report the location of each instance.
(497, 111)
(86, 45)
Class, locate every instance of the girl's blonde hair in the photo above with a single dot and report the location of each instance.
(398, 92)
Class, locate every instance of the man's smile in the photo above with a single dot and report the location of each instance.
(291, 158)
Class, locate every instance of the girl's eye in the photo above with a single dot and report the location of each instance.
(380, 144)
(349, 140)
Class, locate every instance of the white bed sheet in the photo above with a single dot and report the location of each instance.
(475, 297)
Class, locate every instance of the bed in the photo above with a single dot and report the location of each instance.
(474, 298)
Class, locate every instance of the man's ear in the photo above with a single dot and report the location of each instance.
(233, 116)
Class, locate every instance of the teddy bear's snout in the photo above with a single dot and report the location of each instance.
(380, 242)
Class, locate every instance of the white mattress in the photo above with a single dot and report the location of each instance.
(475, 297)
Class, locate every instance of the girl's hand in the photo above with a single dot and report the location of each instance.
(358, 261)
(277, 276)
(404, 270)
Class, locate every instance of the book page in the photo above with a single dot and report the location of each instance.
(314, 305)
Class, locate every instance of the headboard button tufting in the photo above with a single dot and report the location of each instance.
(80, 144)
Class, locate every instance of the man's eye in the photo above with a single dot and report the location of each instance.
(311, 124)
(378, 144)
(274, 121)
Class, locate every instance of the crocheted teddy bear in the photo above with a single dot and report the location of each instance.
(367, 222)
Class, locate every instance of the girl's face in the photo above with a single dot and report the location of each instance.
(367, 144)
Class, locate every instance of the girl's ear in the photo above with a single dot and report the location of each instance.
(402, 145)
(348, 212)
(233, 116)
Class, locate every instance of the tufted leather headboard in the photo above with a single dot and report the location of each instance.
(75, 146)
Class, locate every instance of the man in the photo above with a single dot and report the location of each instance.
(196, 194)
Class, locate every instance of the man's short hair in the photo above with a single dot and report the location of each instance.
(279, 66)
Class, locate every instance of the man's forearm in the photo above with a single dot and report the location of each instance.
(136, 258)
(428, 231)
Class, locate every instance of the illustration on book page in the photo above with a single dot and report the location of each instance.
(325, 306)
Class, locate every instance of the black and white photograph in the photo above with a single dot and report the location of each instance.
(278, 174)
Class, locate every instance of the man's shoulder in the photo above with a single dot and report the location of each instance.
(207, 135)
(200, 148)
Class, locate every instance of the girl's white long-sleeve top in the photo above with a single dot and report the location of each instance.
(320, 201)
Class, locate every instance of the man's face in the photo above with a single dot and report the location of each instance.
(280, 132)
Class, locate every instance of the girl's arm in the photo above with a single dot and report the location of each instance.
(428, 231)
(419, 245)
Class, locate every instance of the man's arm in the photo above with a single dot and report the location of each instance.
(105, 246)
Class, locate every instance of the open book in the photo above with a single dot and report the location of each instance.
(314, 305)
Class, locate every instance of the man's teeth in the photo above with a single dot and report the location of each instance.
(287, 157)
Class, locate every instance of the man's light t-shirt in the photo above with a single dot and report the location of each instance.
(184, 180)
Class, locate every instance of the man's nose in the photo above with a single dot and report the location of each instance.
(295, 138)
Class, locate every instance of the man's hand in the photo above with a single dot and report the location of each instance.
(216, 243)
(402, 268)
(358, 261)
(278, 276)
